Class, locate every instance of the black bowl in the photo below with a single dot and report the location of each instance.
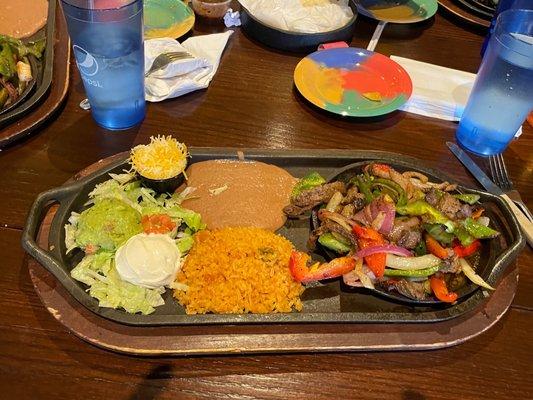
(168, 185)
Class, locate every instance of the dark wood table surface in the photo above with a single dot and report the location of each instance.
(252, 103)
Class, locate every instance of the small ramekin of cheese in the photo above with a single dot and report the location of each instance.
(161, 163)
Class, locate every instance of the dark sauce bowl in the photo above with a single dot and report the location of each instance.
(168, 185)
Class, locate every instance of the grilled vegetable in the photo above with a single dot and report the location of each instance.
(309, 181)
(15, 69)
(440, 290)
(302, 273)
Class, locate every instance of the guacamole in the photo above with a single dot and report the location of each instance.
(107, 224)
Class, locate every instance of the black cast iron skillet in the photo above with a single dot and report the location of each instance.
(487, 263)
(326, 303)
(295, 41)
(477, 8)
(29, 86)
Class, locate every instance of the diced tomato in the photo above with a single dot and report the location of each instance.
(91, 249)
(157, 223)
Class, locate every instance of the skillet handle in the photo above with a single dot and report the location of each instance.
(515, 247)
(525, 224)
(33, 223)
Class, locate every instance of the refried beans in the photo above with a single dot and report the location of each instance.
(239, 193)
(22, 18)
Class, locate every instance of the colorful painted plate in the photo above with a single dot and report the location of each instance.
(167, 18)
(398, 11)
(353, 82)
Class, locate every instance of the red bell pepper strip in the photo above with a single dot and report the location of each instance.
(436, 249)
(302, 273)
(380, 167)
(465, 251)
(367, 237)
(438, 285)
(477, 213)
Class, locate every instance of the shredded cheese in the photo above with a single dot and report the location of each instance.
(163, 158)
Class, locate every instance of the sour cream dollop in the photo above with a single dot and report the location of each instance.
(148, 260)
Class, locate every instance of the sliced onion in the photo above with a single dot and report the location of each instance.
(386, 211)
(471, 274)
(363, 277)
(352, 279)
(334, 202)
(483, 220)
(412, 263)
(379, 214)
(377, 223)
(386, 248)
(359, 277)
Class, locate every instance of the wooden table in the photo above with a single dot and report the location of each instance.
(252, 103)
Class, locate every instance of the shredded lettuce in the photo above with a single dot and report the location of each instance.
(185, 243)
(98, 272)
(192, 219)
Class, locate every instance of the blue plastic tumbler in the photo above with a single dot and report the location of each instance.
(107, 39)
(504, 5)
(502, 95)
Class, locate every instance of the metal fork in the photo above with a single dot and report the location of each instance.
(498, 170)
(163, 59)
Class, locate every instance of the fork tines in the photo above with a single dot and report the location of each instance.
(498, 170)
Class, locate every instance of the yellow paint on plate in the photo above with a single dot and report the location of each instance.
(401, 12)
(326, 83)
(173, 31)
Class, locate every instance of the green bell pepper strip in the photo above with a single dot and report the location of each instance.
(331, 242)
(364, 187)
(401, 197)
(420, 249)
(478, 230)
(418, 273)
(7, 62)
(439, 233)
(468, 198)
(309, 181)
(4, 95)
(464, 237)
(421, 207)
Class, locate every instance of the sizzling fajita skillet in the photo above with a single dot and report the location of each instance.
(328, 301)
(41, 71)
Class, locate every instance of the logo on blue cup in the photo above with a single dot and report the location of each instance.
(86, 63)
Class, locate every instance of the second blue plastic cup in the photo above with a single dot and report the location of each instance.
(502, 95)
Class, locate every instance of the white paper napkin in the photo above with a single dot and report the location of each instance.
(438, 92)
(187, 75)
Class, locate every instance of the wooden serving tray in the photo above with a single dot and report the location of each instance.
(29, 122)
(260, 338)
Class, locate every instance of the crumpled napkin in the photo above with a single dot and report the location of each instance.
(187, 75)
(232, 18)
(438, 92)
